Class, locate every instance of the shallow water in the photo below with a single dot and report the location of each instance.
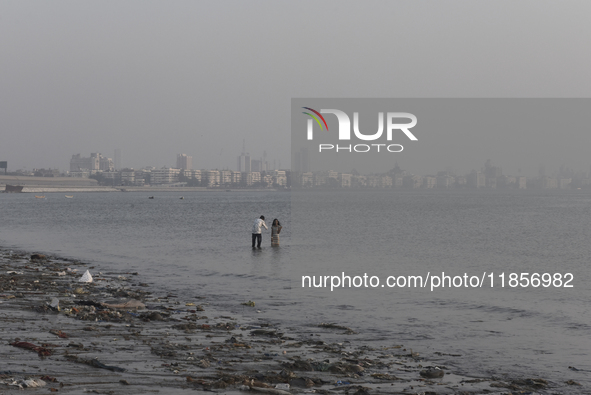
(201, 246)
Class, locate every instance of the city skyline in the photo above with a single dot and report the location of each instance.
(153, 88)
(97, 163)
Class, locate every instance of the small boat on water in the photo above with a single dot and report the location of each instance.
(40, 197)
(150, 197)
(69, 196)
(182, 198)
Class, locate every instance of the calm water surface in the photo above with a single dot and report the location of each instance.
(200, 245)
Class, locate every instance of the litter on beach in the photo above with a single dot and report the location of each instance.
(132, 304)
(86, 277)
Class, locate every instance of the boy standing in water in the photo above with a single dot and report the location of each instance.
(257, 230)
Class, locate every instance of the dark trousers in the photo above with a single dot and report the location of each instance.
(258, 238)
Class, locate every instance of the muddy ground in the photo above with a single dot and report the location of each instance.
(115, 336)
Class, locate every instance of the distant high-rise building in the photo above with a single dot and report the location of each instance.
(78, 163)
(117, 159)
(244, 163)
(106, 164)
(184, 161)
(256, 165)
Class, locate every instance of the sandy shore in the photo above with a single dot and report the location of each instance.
(115, 335)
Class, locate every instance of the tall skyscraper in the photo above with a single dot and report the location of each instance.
(244, 160)
(117, 159)
(184, 161)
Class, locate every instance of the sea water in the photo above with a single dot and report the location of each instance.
(201, 246)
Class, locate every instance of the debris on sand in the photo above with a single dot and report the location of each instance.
(42, 351)
(93, 333)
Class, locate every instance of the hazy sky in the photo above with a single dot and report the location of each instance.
(157, 78)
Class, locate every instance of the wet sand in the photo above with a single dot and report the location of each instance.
(115, 335)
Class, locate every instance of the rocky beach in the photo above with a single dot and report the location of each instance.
(117, 335)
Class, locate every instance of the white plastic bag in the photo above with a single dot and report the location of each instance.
(86, 277)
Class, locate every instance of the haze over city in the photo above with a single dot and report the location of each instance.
(154, 79)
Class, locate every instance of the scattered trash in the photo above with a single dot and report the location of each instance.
(34, 383)
(58, 333)
(129, 305)
(572, 382)
(203, 364)
(22, 384)
(222, 350)
(86, 277)
(41, 351)
(55, 304)
(98, 364)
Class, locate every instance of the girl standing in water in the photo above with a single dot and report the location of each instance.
(275, 230)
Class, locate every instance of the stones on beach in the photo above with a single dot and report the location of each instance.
(432, 372)
(38, 258)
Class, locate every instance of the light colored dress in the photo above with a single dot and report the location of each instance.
(275, 235)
